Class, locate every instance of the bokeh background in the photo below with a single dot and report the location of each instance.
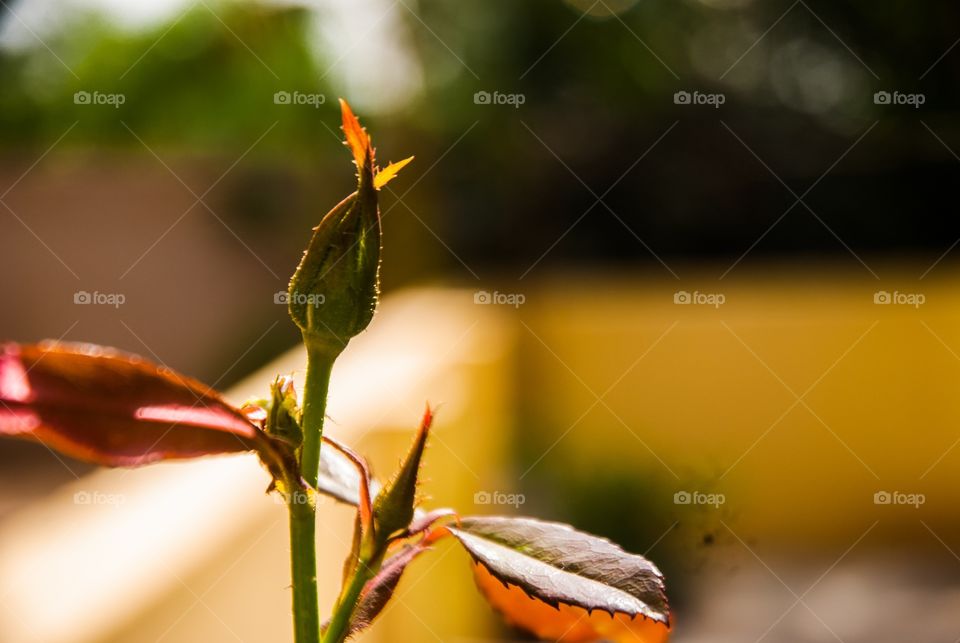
(683, 273)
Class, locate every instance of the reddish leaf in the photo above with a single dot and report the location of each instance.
(563, 584)
(565, 623)
(112, 408)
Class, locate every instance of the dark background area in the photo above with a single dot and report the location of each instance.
(597, 97)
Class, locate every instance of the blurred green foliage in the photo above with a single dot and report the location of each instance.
(598, 88)
(194, 84)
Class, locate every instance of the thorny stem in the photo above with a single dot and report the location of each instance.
(339, 626)
(303, 564)
(320, 358)
(302, 509)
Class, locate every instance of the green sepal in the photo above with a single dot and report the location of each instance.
(393, 510)
(283, 415)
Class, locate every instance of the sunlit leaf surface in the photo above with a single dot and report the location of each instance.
(563, 584)
(112, 408)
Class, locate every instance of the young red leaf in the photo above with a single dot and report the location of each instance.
(559, 583)
(113, 409)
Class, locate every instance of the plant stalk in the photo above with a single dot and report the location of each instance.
(320, 358)
(301, 507)
(339, 627)
(303, 565)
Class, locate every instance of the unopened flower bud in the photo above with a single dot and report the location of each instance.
(334, 291)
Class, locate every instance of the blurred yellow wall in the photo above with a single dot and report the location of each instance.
(590, 376)
(798, 398)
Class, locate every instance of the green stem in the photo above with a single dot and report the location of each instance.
(319, 363)
(303, 563)
(339, 627)
(302, 510)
